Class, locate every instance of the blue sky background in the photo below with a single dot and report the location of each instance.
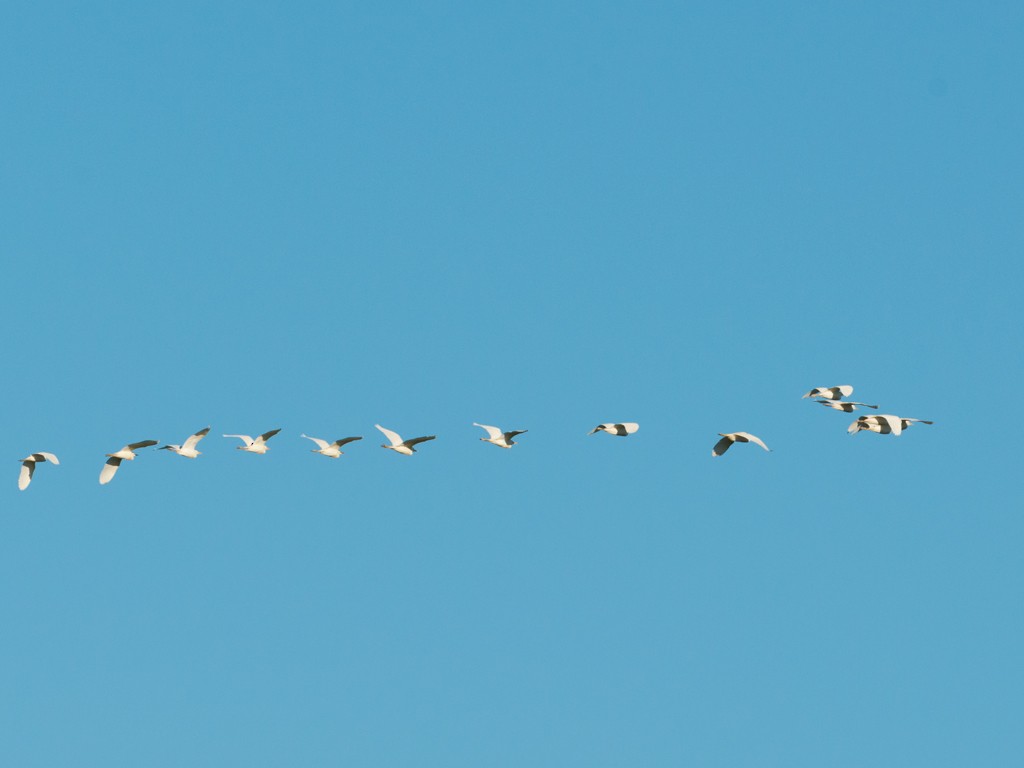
(541, 216)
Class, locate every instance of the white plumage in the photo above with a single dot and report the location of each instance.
(883, 424)
(847, 406)
(331, 450)
(831, 393)
(496, 437)
(28, 467)
(188, 449)
(404, 447)
(735, 437)
(620, 430)
(125, 454)
(259, 445)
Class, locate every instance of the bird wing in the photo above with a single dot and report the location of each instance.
(514, 432)
(895, 423)
(628, 427)
(920, 421)
(141, 444)
(192, 441)
(46, 457)
(322, 443)
(598, 428)
(393, 437)
(417, 440)
(830, 404)
(752, 439)
(245, 438)
(109, 470)
(843, 390)
(492, 432)
(25, 476)
(722, 445)
(346, 441)
(267, 435)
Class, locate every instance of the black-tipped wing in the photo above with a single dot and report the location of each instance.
(721, 446)
(346, 441)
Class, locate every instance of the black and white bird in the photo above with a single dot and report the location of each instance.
(883, 424)
(735, 437)
(398, 445)
(188, 450)
(28, 467)
(621, 430)
(259, 445)
(125, 454)
(847, 406)
(831, 393)
(331, 450)
(499, 438)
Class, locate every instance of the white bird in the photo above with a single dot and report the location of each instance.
(331, 450)
(259, 445)
(28, 467)
(404, 447)
(848, 406)
(883, 424)
(831, 393)
(188, 450)
(499, 438)
(627, 428)
(735, 437)
(125, 454)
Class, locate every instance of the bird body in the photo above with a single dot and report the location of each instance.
(831, 393)
(496, 437)
(847, 406)
(404, 447)
(331, 450)
(259, 445)
(125, 454)
(188, 450)
(620, 430)
(28, 467)
(735, 437)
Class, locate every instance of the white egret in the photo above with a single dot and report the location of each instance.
(831, 393)
(259, 445)
(125, 454)
(499, 438)
(883, 424)
(331, 450)
(404, 447)
(735, 437)
(847, 406)
(28, 467)
(188, 450)
(627, 428)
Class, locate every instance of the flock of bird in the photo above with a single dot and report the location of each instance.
(832, 397)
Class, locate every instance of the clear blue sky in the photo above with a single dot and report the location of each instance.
(541, 216)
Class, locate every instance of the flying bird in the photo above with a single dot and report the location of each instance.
(499, 438)
(404, 447)
(125, 454)
(621, 430)
(259, 445)
(28, 467)
(331, 450)
(735, 437)
(831, 393)
(847, 406)
(188, 450)
(883, 424)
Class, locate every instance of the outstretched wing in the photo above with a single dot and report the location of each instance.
(25, 476)
(627, 428)
(721, 446)
(244, 438)
(418, 440)
(346, 441)
(109, 470)
(492, 432)
(393, 437)
(324, 445)
(194, 439)
(599, 428)
(45, 457)
(267, 435)
(513, 433)
(142, 444)
(747, 437)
